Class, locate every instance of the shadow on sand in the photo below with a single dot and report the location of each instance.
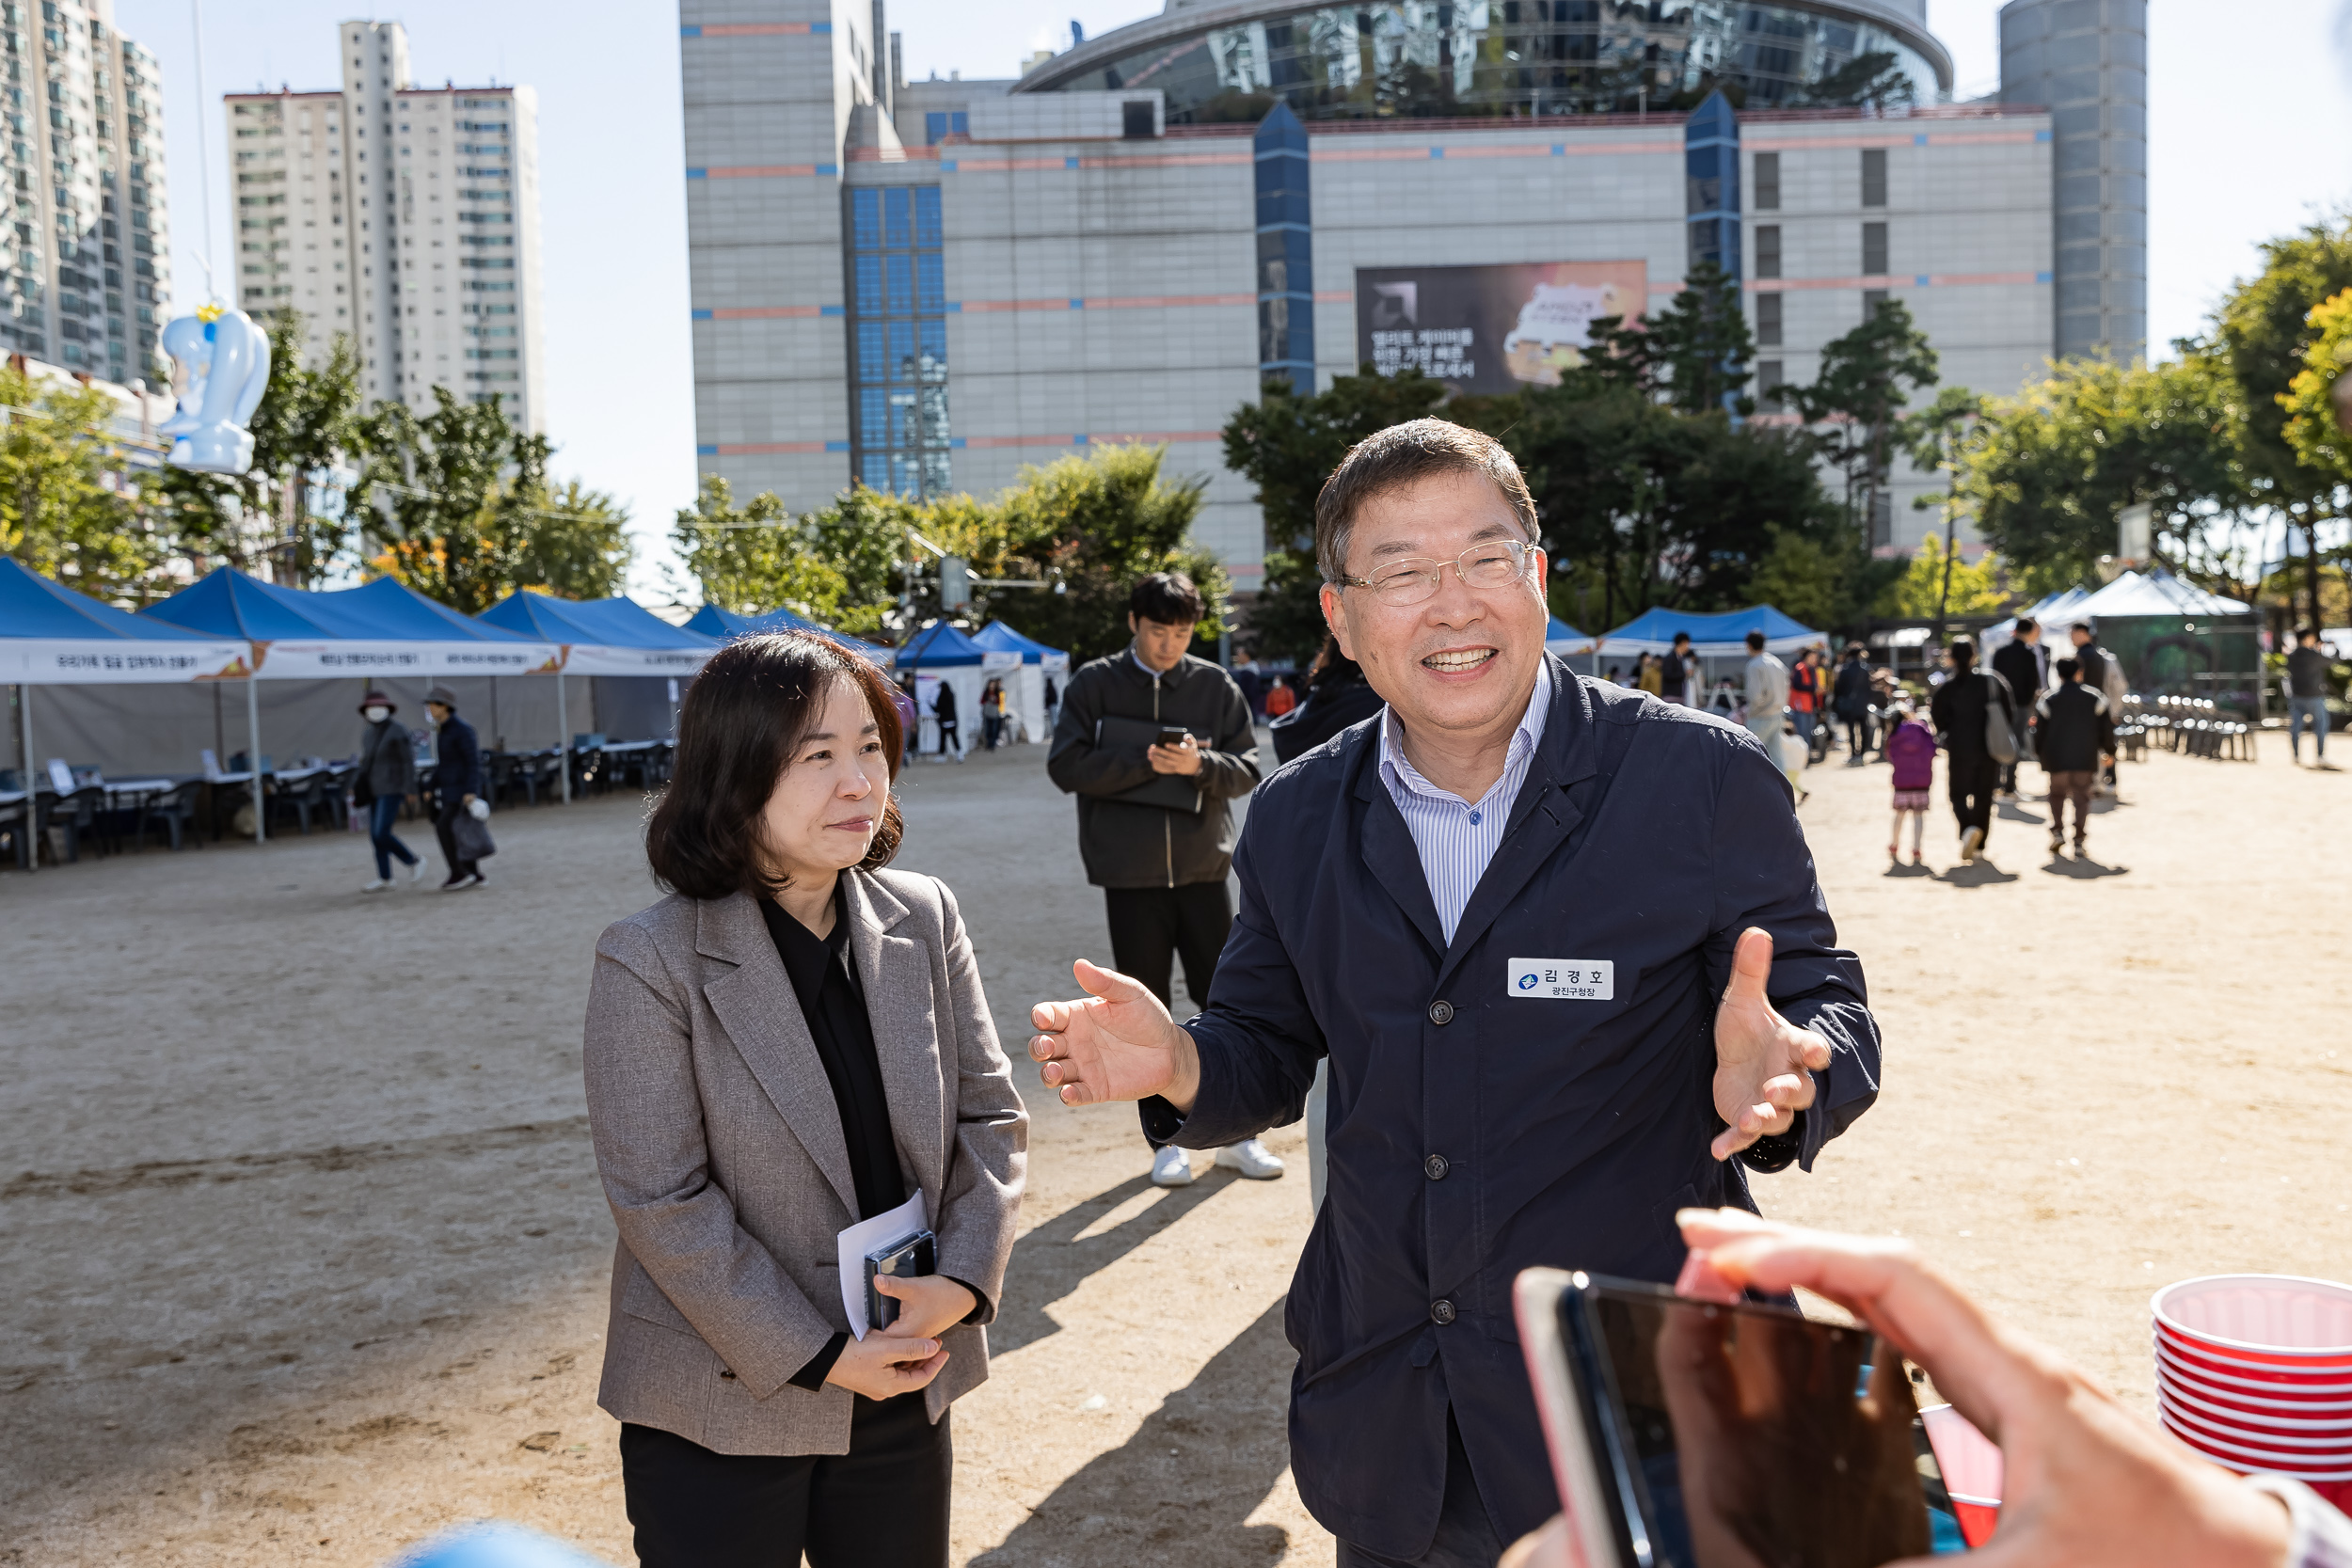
(1053, 1259)
(1978, 873)
(2082, 869)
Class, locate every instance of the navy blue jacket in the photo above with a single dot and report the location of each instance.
(1474, 1132)
(458, 762)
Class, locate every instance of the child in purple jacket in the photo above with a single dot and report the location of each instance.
(1911, 747)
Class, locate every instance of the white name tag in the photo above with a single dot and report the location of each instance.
(1564, 979)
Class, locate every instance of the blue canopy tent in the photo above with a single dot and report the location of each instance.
(604, 637)
(939, 656)
(1563, 638)
(1719, 636)
(713, 621)
(52, 636)
(1026, 683)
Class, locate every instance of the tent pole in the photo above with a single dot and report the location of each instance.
(253, 755)
(562, 735)
(32, 789)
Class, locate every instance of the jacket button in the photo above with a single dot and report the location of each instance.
(1437, 1167)
(1441, 1312)
(726, 1374)
(1441, 1012)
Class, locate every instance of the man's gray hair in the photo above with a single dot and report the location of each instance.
(1399, 458)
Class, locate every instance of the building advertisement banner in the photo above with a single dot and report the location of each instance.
(1490, 329)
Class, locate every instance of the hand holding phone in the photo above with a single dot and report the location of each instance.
(1175, 751)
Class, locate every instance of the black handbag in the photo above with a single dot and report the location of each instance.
(472, 837)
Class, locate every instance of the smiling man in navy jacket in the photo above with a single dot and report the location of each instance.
(1564, 947)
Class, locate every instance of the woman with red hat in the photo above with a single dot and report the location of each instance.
(387, 772)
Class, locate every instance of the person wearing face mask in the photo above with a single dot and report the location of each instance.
(795, 1040)
(385, 775)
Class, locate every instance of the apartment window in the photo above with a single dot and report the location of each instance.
(1768, 250)
(1767, 321)
(939, 125)
(1768, 182)
(1771, 376)
(1874, 177)
(1871, 300)
(1873, 250)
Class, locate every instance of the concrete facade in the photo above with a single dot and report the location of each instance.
(1100, 268)
(86, 275)
(405, 216)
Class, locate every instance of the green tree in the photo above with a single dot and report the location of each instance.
(1976, 587)
(1867, 377)
(1286, 445)
(58, 515)
(1692, 356)
(756, 556)
(572, 542)
(1875, 79)
(306, 419)
(2265, 327)
(2319, 401)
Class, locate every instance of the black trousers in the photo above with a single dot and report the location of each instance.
(1973, 778)
(1151, 926)
(1466, 1538)
(882, 1505)
(444, 829)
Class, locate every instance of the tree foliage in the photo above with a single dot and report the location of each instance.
(445, 503)
(1855, 406)
(2318, 401)
(58, 515)
(1692, 356)
(1977, 587)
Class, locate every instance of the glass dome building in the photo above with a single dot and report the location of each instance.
(1509, 59)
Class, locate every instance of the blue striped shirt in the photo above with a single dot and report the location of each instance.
(1457, 838)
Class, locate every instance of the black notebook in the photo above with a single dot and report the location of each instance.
(1168, 791)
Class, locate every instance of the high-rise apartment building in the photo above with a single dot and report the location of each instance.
(86, 269)
(405, 216)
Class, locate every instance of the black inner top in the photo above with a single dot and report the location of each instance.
(833, 1002)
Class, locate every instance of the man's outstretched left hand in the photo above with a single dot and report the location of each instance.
(1764, 1064)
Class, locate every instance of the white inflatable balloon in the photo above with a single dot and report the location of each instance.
(219, 369)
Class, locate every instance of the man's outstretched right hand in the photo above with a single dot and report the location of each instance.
(1118, 1043)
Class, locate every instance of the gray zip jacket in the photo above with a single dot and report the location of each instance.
(1128, 845)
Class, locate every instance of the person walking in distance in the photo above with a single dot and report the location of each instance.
(1679, 681)
(1252, 680)
(458, 782)
(2103, 672)
(951, 732)
(992, 712)
(2022, 662)
(1850, 696)
(2077, 734)
(1911, 747)
(1768, 711)
(385, 775)
(2308, 668)
(1156, 744)
(1806, 694)
(1280, 699)
(1968, 700)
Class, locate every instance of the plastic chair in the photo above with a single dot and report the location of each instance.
(174, 810)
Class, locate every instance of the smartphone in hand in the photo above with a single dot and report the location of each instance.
(1173, 735)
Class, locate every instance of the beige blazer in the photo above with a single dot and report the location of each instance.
(721, 1148)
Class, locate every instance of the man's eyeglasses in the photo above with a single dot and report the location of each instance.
(1497, 564)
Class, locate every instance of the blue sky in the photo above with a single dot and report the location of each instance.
(2247, 125)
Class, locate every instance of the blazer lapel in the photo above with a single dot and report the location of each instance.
(1389, 852)
(761, 1013)
(896, 972)
(1542, 817)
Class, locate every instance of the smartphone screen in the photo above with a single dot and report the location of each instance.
(1173, 735)
(1749, 1437)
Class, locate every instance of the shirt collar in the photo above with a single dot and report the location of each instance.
(1150, 673)
(1398, 768)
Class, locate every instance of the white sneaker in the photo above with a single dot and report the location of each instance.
(378, 886)
(416, 871)
(1968, 842)
(1171, 1167)
(1252, 1159)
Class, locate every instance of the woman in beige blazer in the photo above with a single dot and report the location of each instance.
(793, 1040)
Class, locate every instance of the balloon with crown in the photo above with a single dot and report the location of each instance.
(219, 369)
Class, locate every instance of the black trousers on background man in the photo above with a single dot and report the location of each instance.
(1466, 1535)
(1152, 927)
(883, 1502)
(445, 829)
(1973, 778)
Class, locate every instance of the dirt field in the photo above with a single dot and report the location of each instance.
(305, 1257)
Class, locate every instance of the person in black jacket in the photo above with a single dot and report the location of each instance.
(2020, 662)
(1158, 850)
(1959, 712)
(1850, 697)
(2308, 669)
(457, 783)
(1336, 696)
(2077, 734)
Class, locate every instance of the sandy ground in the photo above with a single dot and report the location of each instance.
(305, 1253)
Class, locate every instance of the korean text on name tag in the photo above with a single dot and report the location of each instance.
(1564, 979)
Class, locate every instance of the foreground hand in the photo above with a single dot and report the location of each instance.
(1117, 1044)
(881, 1365)
(1764, 1065)
(2084, 1482)
(928, 1304)
(1184, 760)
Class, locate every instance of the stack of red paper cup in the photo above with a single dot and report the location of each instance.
(2254, 1372)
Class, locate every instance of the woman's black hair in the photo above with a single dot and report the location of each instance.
(1331, 666)
(742, 720)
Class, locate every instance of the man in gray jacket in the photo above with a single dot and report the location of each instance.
(1154, 826)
